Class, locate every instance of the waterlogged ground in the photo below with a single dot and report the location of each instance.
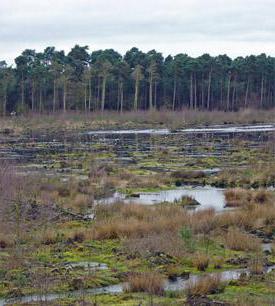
(88, 252)
(170, 286)
(207, 149)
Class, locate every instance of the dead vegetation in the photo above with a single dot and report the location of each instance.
(149, 282)
(239, 241)
(150, 235)
(257, 175)
(97, 120)
(118, 221)
(205, 285)
(201, 261)
(237, 197)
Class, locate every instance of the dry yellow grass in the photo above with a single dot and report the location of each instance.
(48, 237)
(201, 261)
(138, 221)
(247, 218)
(236, 240)
(205, 285)
(75, 120)
(134, 221)
(238, 197)
(150, 282)
(5, 240)
(168, 243)
(256, 265)
(81, 202)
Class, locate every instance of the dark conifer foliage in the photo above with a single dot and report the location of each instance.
(105, 80)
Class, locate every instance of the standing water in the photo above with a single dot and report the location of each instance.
(206, 196)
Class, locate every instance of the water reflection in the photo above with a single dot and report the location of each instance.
(207, 196)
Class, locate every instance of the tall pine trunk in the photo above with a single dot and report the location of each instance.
(202, 92)
(209, 89)
(65, 96)
(22, 90)
(118, 97)
(268, 98)
(233, 95)
(262, 92)
(98, 93)
(5, 98)
(85, 97)
(151, 92)
(40, 98)
(228, 93)
(103, 93)
(90, 94)
(136, 95)
(174, 94)
(121, 97)
(191, 91)
(155, 97)
(246, 93)
(54, 95)
(195, 92)
(33, 92)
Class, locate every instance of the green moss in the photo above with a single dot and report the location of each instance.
(128, 299)
(256, 292)
(97, 251)
(131, 191)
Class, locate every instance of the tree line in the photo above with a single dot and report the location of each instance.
(50, 81)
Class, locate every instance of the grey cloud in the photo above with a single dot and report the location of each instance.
(122, 23)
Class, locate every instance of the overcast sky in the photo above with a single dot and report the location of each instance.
(235, 27)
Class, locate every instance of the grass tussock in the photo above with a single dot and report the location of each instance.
(218, 262)
(247, 218)
(256, 265)
(239, 241)
(201, 261)
(5, 241)
(238, 197)
(168, 243)
(257, 175)
(152, 181)
(49, 237)
(119, 221)
(203, 221)
(137, 221)
(186, 201)
(149, 282)
(150, 227)
(205, 285)
(185, 175)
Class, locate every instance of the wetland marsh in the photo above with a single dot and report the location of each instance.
(88, 214)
